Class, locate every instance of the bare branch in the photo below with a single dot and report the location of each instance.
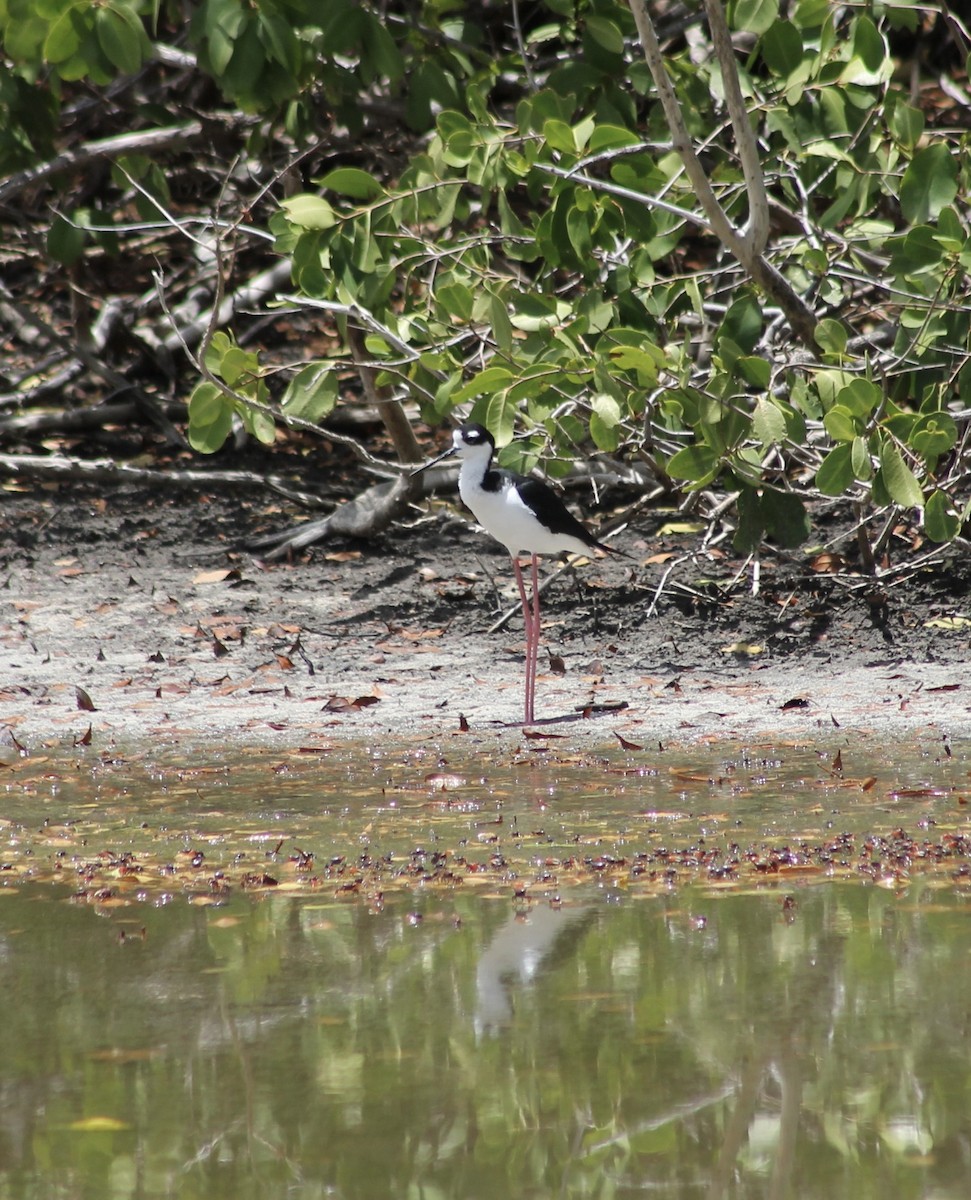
(746, 247)
(143, 141)
(367, 515)
(249, 295)
(115, 379)
(756, 235)
(721, 226)
(392, 414)
(106, 470)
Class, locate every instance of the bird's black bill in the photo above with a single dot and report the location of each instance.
(424, 466)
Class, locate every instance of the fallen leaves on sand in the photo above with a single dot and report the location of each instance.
(339, 704)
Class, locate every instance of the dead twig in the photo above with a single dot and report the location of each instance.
(39, 424)
(143, 141)
(367, 515)
(89, 357)
(106, 470)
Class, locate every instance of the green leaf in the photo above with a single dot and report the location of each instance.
(210, 418)
(455, 300)
(950, 231)
(605, 434)
(831, 336)
(559, 135)
(383, 56)
(768, 423)
(458, 137)
(218, 345)
(120, 37)
(260, 424)
(607, 409)
(697, 464)
(929, 183)
(502, 330)
(246, 71)
(754, 370)
(498, 415)
(861, 397)
(918, 252)
(869, 62)
(611, 137)
(840, 424)
(578, 231)
(309, 212)
(596, 312)
(207, 403)
(490, 380)
(828, 384)
(810, 14)
(906, 123)
(756, 16)
(238, 367)
(312, 392)
(634, 358)
(933, 435)
(65, 241)
(605, 33)
(742, 323)
(941, 522)
(64, 36)
(510, 223)
(785, 517)
(352, 182)
(280, 40)
(898, 478)
(219, 48)
(533, 313)
(782, 47)
(860, 459)
(835, 474)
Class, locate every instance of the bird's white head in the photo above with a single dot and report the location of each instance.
(474, 443)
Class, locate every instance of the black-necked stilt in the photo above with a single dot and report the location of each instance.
(525, 516)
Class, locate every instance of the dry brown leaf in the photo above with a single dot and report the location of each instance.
(346, 704)
(219, 576)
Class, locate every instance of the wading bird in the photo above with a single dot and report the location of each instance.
(525, 516)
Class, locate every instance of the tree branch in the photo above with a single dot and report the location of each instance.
(756, 235)
(392, 414)
(106, 470)
(143, 141)
(747, 247)
(115, 379)
(721, 226)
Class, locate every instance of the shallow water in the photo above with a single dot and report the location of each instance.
(376, 973)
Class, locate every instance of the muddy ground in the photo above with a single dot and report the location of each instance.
(139, 615)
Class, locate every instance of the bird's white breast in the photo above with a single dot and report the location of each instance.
(505, 516)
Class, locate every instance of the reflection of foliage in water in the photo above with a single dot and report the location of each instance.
(699, 1039)
(559, 1020)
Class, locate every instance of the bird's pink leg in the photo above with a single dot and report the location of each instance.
(536, 628)
(531, 635)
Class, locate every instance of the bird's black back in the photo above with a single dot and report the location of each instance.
(552, 512)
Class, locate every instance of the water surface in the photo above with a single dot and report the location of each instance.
(441, 973)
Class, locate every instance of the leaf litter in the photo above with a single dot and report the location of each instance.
(532, 824)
